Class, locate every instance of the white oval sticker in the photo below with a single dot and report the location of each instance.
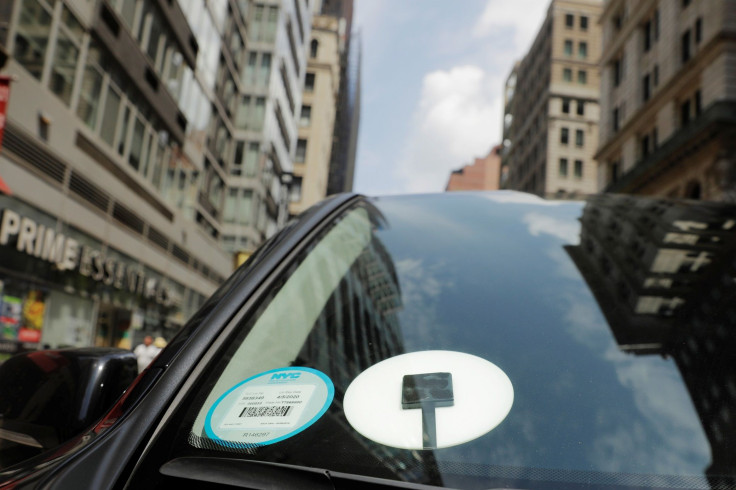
(382, 403)
(269, 407)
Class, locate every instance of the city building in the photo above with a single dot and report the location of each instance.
(347, 119)
(257, 129)
(508, 117)
(667, 99)
(109, 231)
(317, 119)
(662, 274)
(483, 175)
(553, 132)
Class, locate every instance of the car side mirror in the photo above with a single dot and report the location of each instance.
(48, 397)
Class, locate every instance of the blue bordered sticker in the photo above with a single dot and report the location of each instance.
(269, 407)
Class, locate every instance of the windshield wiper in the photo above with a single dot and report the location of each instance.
(262, 475)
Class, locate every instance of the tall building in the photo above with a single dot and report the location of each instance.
(317, 120)
(553, 131)
(110, 232)
(347, 119)
(668, 98)
(508, 117)
(483, 174)
(258, 128)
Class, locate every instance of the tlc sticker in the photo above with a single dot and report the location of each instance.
(269, 407)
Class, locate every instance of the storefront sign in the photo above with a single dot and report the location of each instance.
(46, 244)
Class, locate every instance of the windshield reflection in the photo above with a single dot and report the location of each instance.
(662, 273)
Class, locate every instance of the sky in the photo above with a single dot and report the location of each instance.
(433, 73)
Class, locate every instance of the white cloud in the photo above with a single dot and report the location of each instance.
(457, 119)
(523, 17)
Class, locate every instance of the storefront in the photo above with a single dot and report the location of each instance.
(60, 287)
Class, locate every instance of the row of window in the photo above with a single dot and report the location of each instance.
(563, 168)
(582, 77)
(570, 22)
(565, 137)
(582, 48)
(580, 104)
(691, 38)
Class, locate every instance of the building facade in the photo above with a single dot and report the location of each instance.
(483, 175)
(553, 119)
(668, 98)
(105, 237)
(258, 129)
(317, 120)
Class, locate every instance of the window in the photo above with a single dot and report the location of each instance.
(583, 23)
(566, 106)
(306, 117)
(685, 113)
(644, 142)
(647, 35)
(66, 54)
(567, 75)
(32, 36)
(581, 107)
(301, 150)
(568, 47)
(250, 164)
(582, 50)
(697, 98)
(615, 119)
(564, 136)
(265, 72)
(309, 82)
(295, 191)
(569, 21)
(582, 77)
(698, 30)
(615, 170)
(579, 137)
(645, 87)
(655, 75)
(579, 169)
(313, 48)
(686, 46)
(563, 167)
(617, 72)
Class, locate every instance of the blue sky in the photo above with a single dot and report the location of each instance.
(432, 86)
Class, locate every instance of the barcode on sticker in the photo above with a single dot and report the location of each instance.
(282, 411)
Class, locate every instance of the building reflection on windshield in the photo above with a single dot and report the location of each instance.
(663, 273)
(357, 328)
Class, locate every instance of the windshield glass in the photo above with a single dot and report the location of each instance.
(585, 339)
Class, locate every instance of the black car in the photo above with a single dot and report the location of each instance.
(462, 340)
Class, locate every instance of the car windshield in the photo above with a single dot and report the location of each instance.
(590, 341)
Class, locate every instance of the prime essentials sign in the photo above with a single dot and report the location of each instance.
(46, 244)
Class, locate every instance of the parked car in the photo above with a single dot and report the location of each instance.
(462, 340)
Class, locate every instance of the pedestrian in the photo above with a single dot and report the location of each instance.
(145, 352)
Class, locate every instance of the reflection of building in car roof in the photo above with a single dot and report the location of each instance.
(663, 275)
